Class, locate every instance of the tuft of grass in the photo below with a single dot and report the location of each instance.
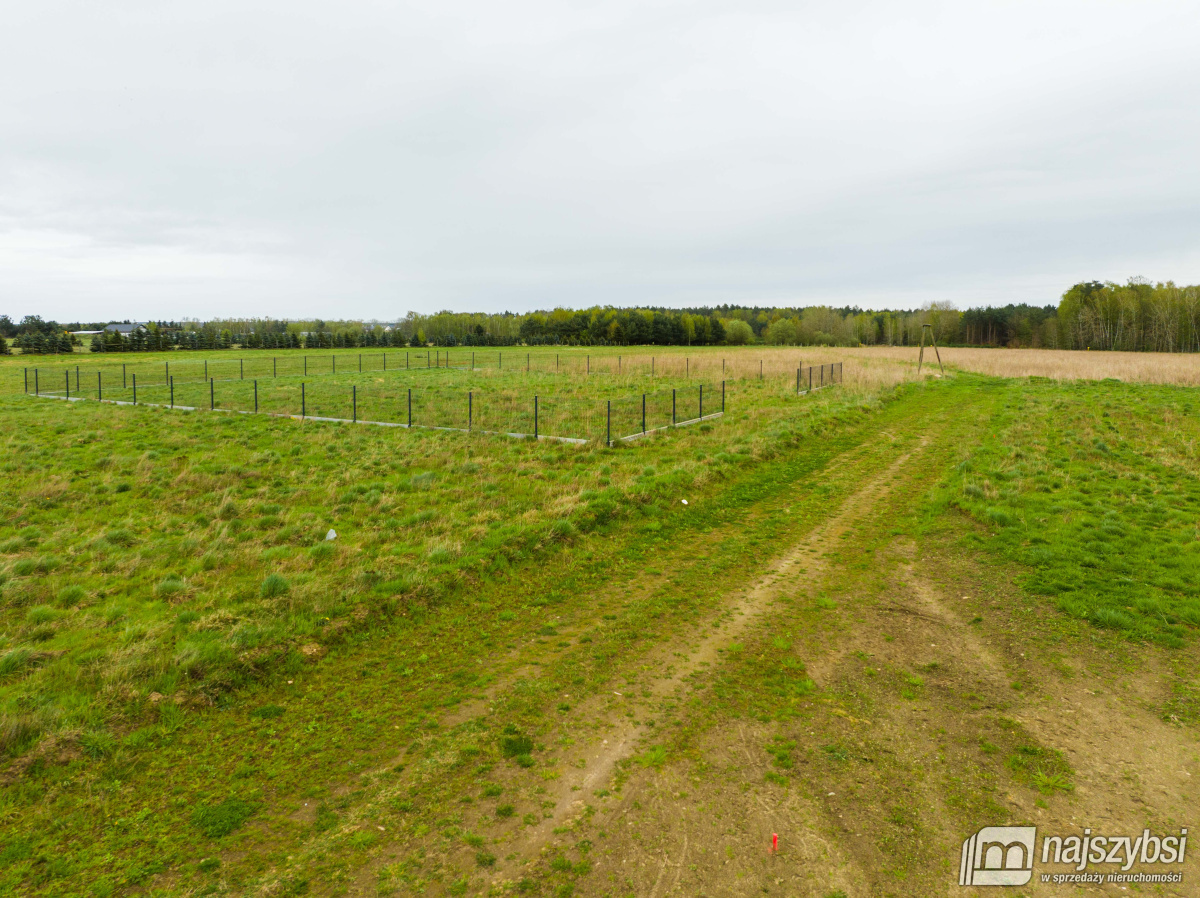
(97, 743)
(14, 661)
(70, 595)
(1049, 783)
(515, 745)
(273, 586)
(655, 757)
(42, 614)
(322, 551)
(120, 536)
(223, 818)
(170, 587)
(1113, 619)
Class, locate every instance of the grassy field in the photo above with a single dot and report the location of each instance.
(888, 614)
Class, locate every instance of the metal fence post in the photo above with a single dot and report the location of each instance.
(360, 363)
(810, 378)
(589, 364)
(212, 394)
(760, 371)
(241, 369)
(333, 364)
(406, 365)
(722, 397)
(472, 360)
(274, 367)
(687, 368)
(643, 413)
(99, 388)
(67, 376)
(172, 392)
(608, 431)
(76, 378)
(205, 369)
(256, 396)
(306, 366)
(672, 406)
(26, 380)
(701, 400)
(354, 398)
(470, 406)
(410, 406)
(618, 365)
(651, 366)
(166, 371)
(535, 416)
(526, 363)
(303, 403)
(384, 354)
(125, 382)
(797, 381)
(499, 361)
(36, 389)
(135, 389)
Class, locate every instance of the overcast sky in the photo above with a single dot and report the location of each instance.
(162, 160)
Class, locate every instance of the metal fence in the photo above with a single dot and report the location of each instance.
(494, 411)
(813, 378)
(260, 366)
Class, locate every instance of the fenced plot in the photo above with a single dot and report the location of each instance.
(508, 411)
(108, 373)
(524, 404)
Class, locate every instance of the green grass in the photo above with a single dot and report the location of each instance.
(1092, 488)
(220, 681)
(215, 505)
(184, 554)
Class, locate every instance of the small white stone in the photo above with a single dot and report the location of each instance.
(684, 501)
(332, 534)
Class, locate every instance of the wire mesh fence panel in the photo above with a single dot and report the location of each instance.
(623, 371)
(625, 415)
(503, 412)
(446, 395)
(439, 408)
(327, 399)
(188, 394)
(153, 393)
(563, 417)
(279, 397)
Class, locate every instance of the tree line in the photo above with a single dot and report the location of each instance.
(1137, 315)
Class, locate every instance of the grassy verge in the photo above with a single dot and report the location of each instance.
(193, 566)
(1092, 487)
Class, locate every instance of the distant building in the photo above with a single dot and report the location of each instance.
(123, 329)
(84, 333)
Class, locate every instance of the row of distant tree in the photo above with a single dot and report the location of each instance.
(1137, 315)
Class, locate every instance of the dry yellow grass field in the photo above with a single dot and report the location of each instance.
(1182, 369)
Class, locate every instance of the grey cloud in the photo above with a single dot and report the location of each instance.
(358, 159)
